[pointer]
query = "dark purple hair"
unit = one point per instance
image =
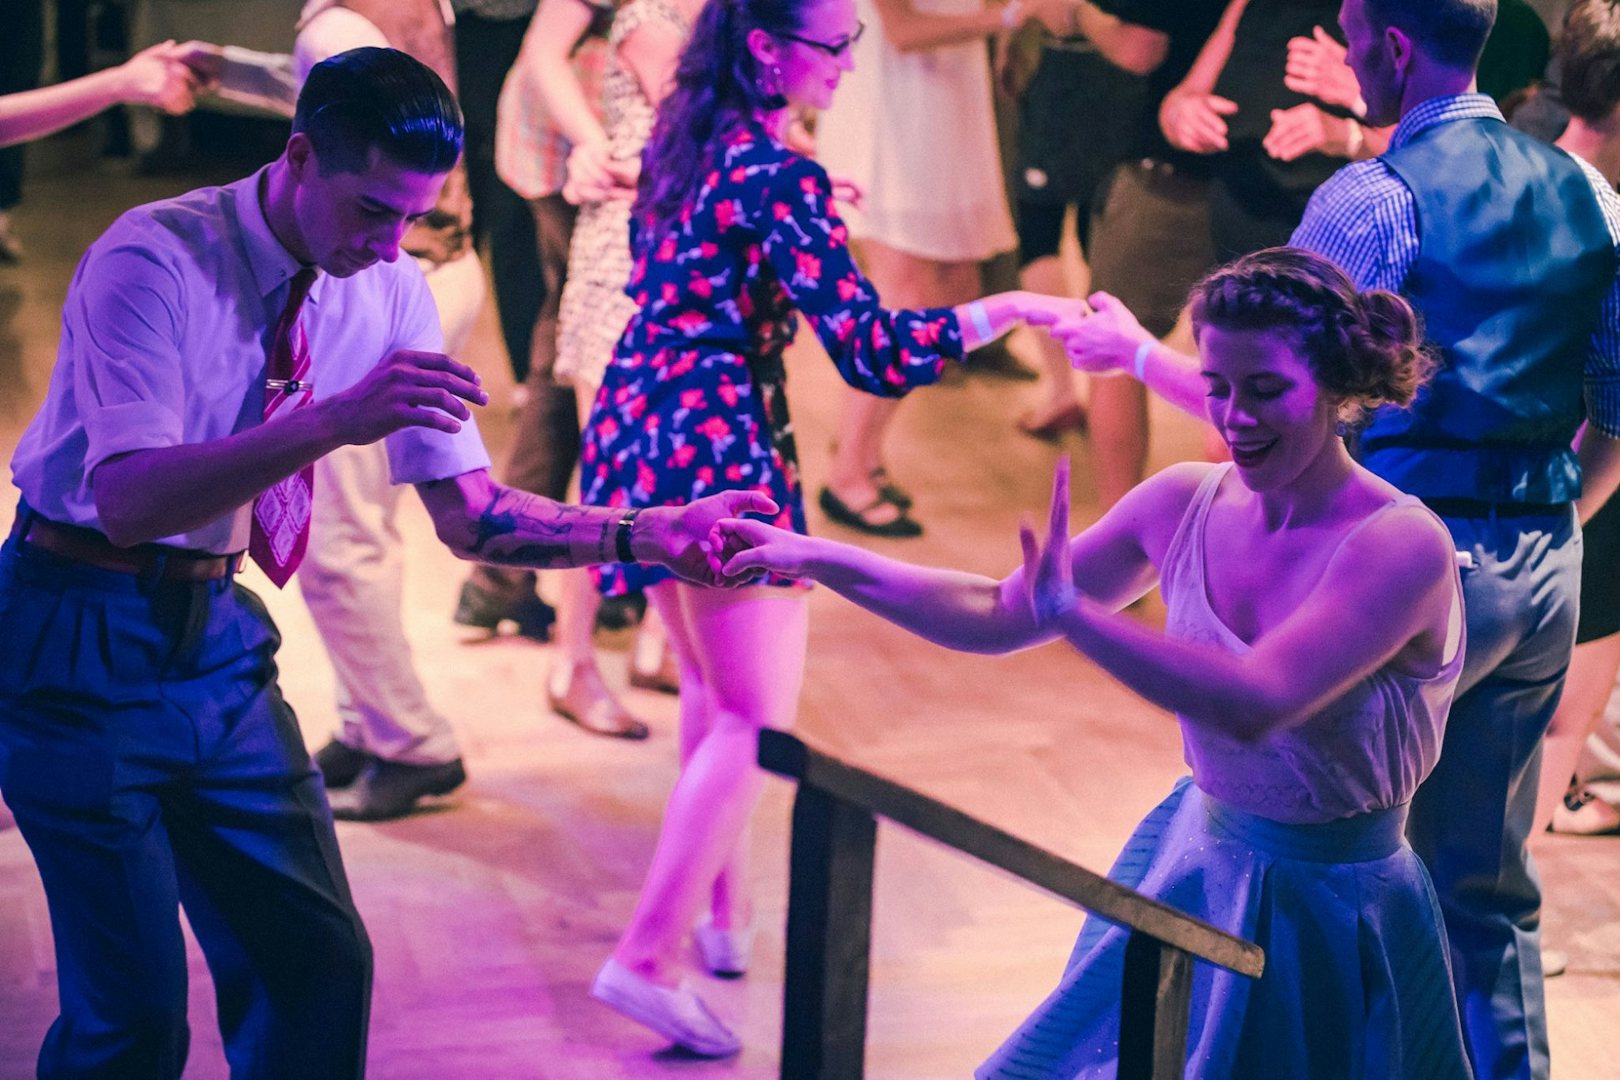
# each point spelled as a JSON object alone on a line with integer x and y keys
{"x": 717, "y": 87}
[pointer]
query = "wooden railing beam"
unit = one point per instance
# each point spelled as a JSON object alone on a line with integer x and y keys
{"x": 829, "y": 939}
{"x": 784, "y": 754}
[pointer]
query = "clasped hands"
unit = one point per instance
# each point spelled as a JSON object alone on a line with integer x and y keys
{"x": 169, "y": 75}
{"x": 1099, "y": 333}
{"x": 741, "y": 551}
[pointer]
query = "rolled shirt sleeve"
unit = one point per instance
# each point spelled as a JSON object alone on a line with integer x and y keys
{"x": 128, "y": 379}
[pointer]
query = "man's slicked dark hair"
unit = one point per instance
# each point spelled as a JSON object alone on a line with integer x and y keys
{"x": 1451, "y": 31}
{"x": 381, "y": 99}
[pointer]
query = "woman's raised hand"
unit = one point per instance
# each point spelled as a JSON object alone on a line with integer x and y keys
{"x": 749, "y": 549}
{"x": 1048, "y": 573}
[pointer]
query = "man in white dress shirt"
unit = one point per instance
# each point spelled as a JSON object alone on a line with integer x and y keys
{"x": 213, "y": 347}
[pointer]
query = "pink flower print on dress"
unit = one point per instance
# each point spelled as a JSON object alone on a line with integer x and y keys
{"x": 809, "y": 268}
{"x": 690, "y": 323}
{"x": 715, "y": 428}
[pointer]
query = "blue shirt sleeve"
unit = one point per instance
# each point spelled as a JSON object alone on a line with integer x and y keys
{"x": 1365, "y": 220}
{"x": 1603, "y": 357}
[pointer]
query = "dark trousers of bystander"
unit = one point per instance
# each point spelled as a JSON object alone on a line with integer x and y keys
{"x": 545, "y": 448}
{"x": 22, "y": 54}
{"x": 152, "y": 764}
{"x": 502, "y": 226}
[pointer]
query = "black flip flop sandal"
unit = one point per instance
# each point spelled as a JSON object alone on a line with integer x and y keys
{"x": 837, "y": 510}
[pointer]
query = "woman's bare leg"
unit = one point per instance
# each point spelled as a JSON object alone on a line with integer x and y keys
{"x": 742, "y": 665}
{"x": 1592, "y": 670}
{"x": 1060, "y": 400}
{"x": 902, "y": 281}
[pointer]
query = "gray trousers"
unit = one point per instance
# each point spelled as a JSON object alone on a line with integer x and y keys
{"x": 1471, "y": 818}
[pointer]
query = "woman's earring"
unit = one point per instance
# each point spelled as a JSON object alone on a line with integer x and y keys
{"x": 774, "y": 98}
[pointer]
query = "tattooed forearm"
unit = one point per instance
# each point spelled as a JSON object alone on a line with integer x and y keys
{"x": 516, "y": 529}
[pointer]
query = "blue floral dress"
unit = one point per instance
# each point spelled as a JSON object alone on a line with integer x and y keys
{"x": 693, "y": 402}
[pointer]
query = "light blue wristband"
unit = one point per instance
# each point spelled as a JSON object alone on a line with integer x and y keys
{"x": 1139, "y": 361}
{"x": 980, "y": 320}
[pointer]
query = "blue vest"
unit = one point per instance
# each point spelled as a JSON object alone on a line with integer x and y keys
{"x": 1513, "y": 263}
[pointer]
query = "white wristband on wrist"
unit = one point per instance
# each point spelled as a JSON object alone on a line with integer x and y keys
{"x": 1012, "y": 14}
{"x": 979, "y": 317}
{"x": 1139, "y": 361}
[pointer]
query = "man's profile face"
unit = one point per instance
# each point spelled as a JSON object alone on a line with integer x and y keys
{"x": 1369, "y": 57}
{"x": 350, "y": 220}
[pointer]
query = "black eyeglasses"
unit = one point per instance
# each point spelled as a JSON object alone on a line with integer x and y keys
{"x": 832, "y": 49}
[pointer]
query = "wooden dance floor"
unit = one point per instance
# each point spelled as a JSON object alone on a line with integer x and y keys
{"x": 491, "y": 912}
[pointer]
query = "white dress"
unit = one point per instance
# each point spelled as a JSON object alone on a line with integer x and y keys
{"x": 594, "y": 309}
{"x": 917, "y": 132}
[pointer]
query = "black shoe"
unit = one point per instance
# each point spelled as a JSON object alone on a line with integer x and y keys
{"x": 390, "y": 789}
{"x": 480, "y": 608}
{"x": 340, "y": 764}
{"x": 621, "y": 612}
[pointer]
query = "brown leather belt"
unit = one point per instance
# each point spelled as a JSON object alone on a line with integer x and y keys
{"x": 92, "y": 548}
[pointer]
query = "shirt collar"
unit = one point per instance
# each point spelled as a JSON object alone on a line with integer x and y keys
{"x": 1443, "y": 110}
{"x": 272, "y": 264}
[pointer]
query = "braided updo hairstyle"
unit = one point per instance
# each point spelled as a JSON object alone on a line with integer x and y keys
{"x": 1365, "y": 348}
{"x": 718, "y": 84}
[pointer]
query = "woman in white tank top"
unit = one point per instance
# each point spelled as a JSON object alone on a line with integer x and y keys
{"x": 1313, "y": 644}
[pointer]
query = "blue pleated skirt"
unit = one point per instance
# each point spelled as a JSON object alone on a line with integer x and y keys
{"x": 1357, "y": 983}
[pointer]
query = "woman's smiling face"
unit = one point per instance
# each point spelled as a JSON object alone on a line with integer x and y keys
{"x": 1265, "y": 401}
{"x": 815, "y": 58}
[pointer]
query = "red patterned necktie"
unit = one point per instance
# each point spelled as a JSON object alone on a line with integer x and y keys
{"x": 281, "y": 514}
